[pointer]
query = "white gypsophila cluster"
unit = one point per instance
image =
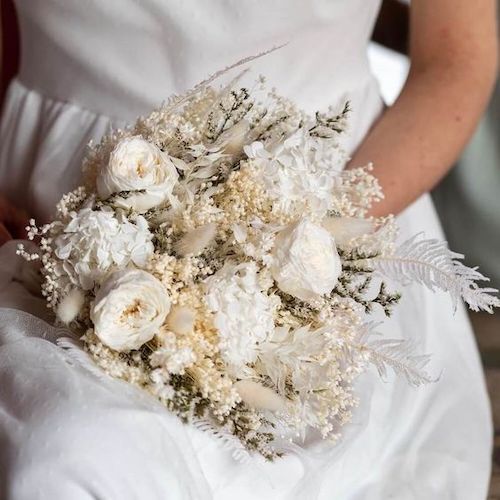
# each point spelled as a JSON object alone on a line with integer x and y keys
{"x": 96, "y": 242}
{"x": 243, "y": 312}
{"x": 173, "y": 358}
{"x": 299, "y": 173}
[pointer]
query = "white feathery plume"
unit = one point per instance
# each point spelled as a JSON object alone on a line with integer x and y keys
{"x": 180, "y": 320}
{"x": 179, "y": 100}
{"x": 70, "y": 306}
{"x": 228, "y": 440}
{"x": 193, "y": 242}
{"x": 433, "y": 264}
{"x": 259, "y": 397}
{"x": 401, "y": 355}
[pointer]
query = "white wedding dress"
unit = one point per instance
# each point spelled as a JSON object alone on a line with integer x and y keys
{"x": 69, "y": 434}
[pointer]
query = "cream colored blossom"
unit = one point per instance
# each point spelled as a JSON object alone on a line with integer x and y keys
{"x": 129, "y": 309}
{"x": 97, "y": 242}
{"x": 137, "y": 167}
{"x": 305, "y": 261}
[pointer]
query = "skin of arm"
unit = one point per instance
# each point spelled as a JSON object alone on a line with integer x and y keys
{"x": 454, "y": 61}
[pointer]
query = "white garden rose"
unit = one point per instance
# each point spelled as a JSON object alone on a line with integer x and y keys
{"x": 129, "y": 309}
{"x": 243, "y": 312}
{"x": 305, "y": 262}
{"x": 141, "y": 169}
{"x": 97, "y": 242}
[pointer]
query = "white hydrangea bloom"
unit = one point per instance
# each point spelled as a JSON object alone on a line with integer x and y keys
{"x": 243, "y": 312}
{"x": 300, "y": 172}
{"x": 96, "y": 242}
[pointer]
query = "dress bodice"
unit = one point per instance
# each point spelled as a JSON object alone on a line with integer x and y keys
{"x": 121, "y": 58}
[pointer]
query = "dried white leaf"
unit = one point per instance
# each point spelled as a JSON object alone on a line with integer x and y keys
{"x": 433, "y": 264}
{"x": 344, "y": 229}
{"x": 193, "y": 242}
{"x": 259, "y": 397}
{"x": 235, "y": 138}
{"x": 180, "y": 320}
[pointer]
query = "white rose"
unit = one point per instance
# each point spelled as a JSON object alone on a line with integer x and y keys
{"x": 141, "y": 169}
{"x": 305, "y": 261}
{"x": 129, "y": 309}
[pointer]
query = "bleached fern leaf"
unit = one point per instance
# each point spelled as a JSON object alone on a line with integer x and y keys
{"x": 401, "y": 356}
{"x": 433, "y": 264}
{"x": 228, "y": 440}
{"x": 75, "y": 355}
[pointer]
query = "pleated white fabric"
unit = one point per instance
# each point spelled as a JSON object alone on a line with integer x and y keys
{"x": 68, "y": 433}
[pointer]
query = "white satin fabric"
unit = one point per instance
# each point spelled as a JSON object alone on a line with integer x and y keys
{"x": 68, "y": 433}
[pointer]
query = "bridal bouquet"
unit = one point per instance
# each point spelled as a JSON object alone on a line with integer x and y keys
{"x": 220, "y": 258}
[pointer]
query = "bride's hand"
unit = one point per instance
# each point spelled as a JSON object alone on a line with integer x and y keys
{"x": 13, "y": 221}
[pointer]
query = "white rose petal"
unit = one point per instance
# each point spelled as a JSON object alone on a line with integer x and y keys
{"x": 129, "y": 309}
{"x": 140, "y": 168}
{"x": 305, "y": 261}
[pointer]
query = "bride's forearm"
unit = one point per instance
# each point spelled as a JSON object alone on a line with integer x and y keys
{"x": 419, "y": 138}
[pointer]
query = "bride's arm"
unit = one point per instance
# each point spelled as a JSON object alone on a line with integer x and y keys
{"x": 454, "y": 54}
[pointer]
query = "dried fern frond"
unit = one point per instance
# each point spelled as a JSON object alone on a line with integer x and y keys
{"x": 433, "y": 264}
{"x": 401, "y": 356}
{"x": 229, "y": 441}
